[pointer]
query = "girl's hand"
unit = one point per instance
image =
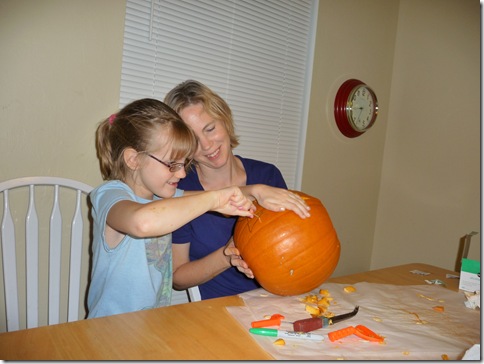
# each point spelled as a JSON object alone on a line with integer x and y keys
{"x": 235, "y": 260}
{"x": 231, "y": 201}
{"x": 280, "y": 199}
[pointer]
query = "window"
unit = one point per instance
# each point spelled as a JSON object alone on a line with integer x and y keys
{"x": 257, "y": 54}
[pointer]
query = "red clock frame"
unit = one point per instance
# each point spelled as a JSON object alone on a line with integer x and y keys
{"x": 340, "y": 109}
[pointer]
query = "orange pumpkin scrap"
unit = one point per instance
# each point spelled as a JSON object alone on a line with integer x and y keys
{"x": 322, "y": 302}
{"x": 289, "y": 255}
{"x": 280, "y": 342}
{"x": 349, "y": 289}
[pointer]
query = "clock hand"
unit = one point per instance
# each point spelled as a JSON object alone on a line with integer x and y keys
{"x": 361, "y": 109}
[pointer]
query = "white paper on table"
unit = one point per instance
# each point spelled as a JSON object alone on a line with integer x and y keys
{"x": 403, "y": 315}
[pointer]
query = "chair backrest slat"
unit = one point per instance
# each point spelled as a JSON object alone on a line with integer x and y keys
{"x": 9, "y": 266}
{"x": 194, "y": 294}
{"x": 32, "y": 260}
{"x": 75, "y": 263}
{"x": 55, "y": 259}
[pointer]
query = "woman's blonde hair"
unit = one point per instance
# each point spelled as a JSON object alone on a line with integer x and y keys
{"x": 192, "y": 92}
{"x": 134, "y": 126}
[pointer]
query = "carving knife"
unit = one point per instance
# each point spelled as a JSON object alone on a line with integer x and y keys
{"x": 314, "y": 323}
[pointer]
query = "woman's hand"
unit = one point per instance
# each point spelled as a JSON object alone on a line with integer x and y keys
{"x": 279, "y": 199}
{"x": 235, "y": 260}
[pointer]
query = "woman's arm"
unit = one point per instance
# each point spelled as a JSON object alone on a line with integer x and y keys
{"x": 188, "y": 273}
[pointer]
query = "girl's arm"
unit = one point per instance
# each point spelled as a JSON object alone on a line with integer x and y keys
{"x": 164, "y": 216}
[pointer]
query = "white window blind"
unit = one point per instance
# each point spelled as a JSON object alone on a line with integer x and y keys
{"x": 257, "y": 54}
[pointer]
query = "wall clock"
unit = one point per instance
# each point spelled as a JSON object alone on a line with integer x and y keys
{"x": 355, "y": 108}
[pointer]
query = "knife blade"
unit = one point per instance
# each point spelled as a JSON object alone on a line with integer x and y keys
{"x": 314, "y": 323}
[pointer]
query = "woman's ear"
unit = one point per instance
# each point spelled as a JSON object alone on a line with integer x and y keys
{"x": 131, "y": 158}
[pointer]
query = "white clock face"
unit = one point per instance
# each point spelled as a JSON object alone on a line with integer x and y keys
{"x": 361, "y": 108}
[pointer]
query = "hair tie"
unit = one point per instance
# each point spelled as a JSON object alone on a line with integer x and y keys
{"x": 111, "y": 119}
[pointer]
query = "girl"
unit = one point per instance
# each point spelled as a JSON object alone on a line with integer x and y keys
{"x": 143, "y": 152}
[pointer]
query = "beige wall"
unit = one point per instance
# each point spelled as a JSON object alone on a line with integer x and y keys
{"x": 355, "y": 39}
{"x": 430, "y": 187}
{"x": 403, "y": 192}
{"x": 60, "y": 70}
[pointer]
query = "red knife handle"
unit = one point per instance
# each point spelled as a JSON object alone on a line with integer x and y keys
{"x": 308, "y": 324}
{"x": 339, "y": 334}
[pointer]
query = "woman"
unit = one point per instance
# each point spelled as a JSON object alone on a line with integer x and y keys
{"x": 203, "y": 250}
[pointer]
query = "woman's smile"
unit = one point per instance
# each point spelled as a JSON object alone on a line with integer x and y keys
{"x": 213, "y": 155}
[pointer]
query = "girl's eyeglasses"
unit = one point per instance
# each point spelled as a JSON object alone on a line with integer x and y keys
{"x": 173, "y": 167}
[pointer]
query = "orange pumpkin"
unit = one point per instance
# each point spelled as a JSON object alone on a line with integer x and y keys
{"x": 289, "y": 255}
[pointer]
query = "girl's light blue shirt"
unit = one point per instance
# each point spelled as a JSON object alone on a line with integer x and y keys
{"x": 137, "y": 274}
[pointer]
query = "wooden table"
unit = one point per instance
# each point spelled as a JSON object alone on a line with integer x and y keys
{"x": 194, "y": 331}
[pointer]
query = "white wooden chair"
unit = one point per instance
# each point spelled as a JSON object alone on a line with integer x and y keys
{"x": 28, "y": 249}
{"x": 23, "y": 256}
